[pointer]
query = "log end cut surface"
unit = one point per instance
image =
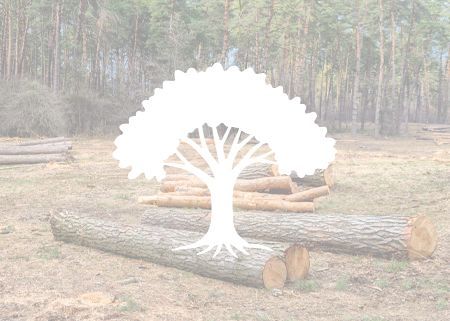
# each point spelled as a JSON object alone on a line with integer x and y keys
{"x": 423, "y": 238}
{"x": 274, "y": 273}
{"x": 297, "y": 262}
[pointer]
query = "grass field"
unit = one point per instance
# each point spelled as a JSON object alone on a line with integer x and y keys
{"x": 45, "y": 280}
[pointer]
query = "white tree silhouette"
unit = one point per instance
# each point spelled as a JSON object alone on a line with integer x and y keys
{"x": 237, "y": 99}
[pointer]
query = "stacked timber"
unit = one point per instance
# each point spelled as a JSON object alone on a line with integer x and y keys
{"x": 261, "y": 268}
{"x": 274, "y": 193}
{"x": 36, "y": 151}
{"x": 439, "y": 134}
{"x": 259, "y": 186}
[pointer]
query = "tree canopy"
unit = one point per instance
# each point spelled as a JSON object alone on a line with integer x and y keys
{"x": 330, "y": 53}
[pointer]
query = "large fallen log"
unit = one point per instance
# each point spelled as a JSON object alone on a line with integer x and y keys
{"x": 57, "y": 148}
{"x": 260, "y": 268}
{"x": 44, "y": 141}
{"x": 204, "y": 202}
{"x": 283, "y": 183}
{"x": 32, "y": 159}
{"x": 383, "y": 236}
{"x": 309, "y": 194}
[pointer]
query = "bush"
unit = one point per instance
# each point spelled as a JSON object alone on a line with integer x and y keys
{"x": 30, "y": 109}
{"x": 91, "y": 114}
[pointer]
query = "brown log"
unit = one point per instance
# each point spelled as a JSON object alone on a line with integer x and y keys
{"x": 204, "y": 202}
{"x": 260, "y": 268}
{"x": 309, "y": 194}
{"x": 382, "y": 236}
{"x": 32, "y": 159}
{"x": 34, "y": 149}
{"x": 297, "y": 262}
{"x": 303, "y": 196}
{"x": 320, "y": 178}
{"x": 283, "y": 183}
{"x": 44, "y": 141}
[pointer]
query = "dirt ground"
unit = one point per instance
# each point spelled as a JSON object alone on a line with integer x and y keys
{"x": 45, "y": 280}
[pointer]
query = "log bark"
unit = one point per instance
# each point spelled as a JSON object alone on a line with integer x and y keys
{"x": 320, "y": 178}
{"x": 32, "y": 159}
{"x": 309, "y": 194}
{"x": 34, "y": 149}
{"x": 382, "y": 236}
{"x": 250, "y": 172}
{"x": 282, "y": 183}
{"x": 155, "y": 244}
{"x": 44, "y": 141}
{"x": 204, "y": 202}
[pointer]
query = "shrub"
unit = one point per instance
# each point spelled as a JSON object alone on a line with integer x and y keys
{"x": 90, "y": 114}
{"x": 30, "y": 109}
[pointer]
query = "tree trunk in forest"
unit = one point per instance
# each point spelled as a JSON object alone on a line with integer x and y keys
{"x": 226, "y": 32}
{"x": 9, "y": 41}
{"x": 380, "y": 70}
{"x": 156, "y": 244}
{"x": 381, "y": 236}
{"x": 356, "y": 94}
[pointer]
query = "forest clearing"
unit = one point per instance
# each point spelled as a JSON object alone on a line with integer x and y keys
{"x": 44, "y": 279}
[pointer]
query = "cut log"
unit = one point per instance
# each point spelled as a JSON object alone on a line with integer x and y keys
{"x": 34, "y": 149}
{"x": 320, "y": 178}
{"x": 383, "y": 236}
{"x": 297, "y": 262}
{"x": 283, "y": 183}
{"x": 303, "y": 196}
{"x": 309, "y": 194}
{"x": 32, "y": 159}
{"x": 44, "y": 141}
{"x": 155, "y": 244}
{"x": 204, "y": 202}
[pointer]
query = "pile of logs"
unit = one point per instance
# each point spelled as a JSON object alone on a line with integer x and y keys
{"x": 439, "y": 134}
{"x": 36, "y": 151}
{"x": 287, "y": 234}
{"x": 259, "y": 187}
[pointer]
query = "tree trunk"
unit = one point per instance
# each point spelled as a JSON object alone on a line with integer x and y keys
{"x": 382, "y": 236}
{"x": 157, "y": 244}
{"x": 380, "y": 70}
{"x": 356, "y": 95}
{"x": 226, "y": 31}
